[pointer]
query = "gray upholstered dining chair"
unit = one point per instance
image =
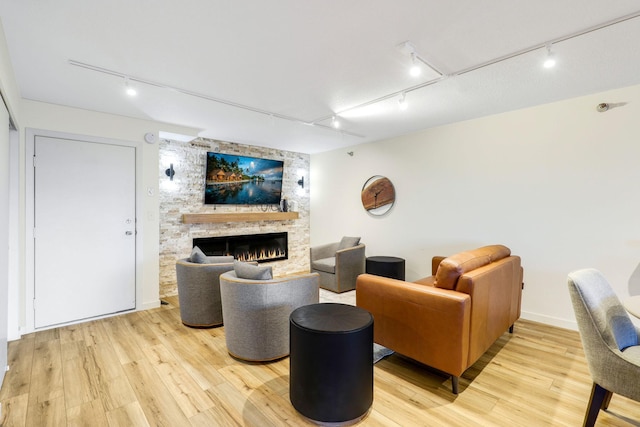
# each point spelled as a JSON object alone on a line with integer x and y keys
{"x": 611, "y": 342}
{"x": 199, "y": 290}
{"x": 339, "y": 264}
{"x": 256, "y": 313}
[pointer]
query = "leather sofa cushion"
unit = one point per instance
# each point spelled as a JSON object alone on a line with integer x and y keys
{"x": 495, "y": 252}
{"x": 451, "y": 268}
{"x": 328, "y": 265}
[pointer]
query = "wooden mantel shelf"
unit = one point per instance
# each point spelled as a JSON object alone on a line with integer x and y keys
{"x": 200, "y": 218}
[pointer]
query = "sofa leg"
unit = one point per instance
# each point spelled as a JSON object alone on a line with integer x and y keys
{"x": 454, "y": 384}
{"x": 511, "y": 329}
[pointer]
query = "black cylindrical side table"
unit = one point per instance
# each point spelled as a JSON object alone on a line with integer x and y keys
{"x": 331, "y": 362}
{"x": 387, "y": 266}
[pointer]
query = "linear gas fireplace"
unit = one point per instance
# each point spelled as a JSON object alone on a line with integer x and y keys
{"x": 251, "y": 247}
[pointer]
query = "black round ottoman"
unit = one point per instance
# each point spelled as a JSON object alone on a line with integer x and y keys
{"x": 331, "y": 362}
{"x": 387, "y": 266}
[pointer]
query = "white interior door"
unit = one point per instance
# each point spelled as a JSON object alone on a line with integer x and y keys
{"x": 84, "y": 246}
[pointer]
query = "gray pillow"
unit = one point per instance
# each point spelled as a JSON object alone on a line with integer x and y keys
{"x": 252, "y": 272}
{"x": 197, "y": 256}
{"x": 348, "y": 242}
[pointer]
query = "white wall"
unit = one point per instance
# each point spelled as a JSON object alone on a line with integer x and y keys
{"x": 8, "y": 87}
{"x": 11, "y": 97}
{"x": 557, "y": 183}
{"x": 4, "y": 236}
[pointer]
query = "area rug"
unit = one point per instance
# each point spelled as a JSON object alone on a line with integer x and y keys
{"x": 380, "y": 352}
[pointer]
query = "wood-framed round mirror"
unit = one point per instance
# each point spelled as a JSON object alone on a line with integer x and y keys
{"x": 378, "y": 195}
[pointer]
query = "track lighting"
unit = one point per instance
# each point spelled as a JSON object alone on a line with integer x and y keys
{"x": 402, "y": 102}
{"x": 550, "y": 61}
{"x": 417, "y": 61}
{"x": 415, "y": 69}
{"x": 335, "y": 122}
{"x": 130, "y": 90}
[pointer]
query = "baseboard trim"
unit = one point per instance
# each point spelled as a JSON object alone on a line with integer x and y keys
{"x": 150, "y": 304}
{"x": 550, "y": 320}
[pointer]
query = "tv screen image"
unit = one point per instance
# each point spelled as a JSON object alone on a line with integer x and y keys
{"x": 242, "y": 180}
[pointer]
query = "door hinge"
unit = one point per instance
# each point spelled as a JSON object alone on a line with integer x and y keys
{"x": 34, "y": 161}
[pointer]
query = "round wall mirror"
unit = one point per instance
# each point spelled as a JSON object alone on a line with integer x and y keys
{"x": 378, "y": 195}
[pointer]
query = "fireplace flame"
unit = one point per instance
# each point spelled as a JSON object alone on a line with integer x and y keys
{"x": 261, "y": 255}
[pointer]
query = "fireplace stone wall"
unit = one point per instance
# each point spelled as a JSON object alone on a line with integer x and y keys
{"x": 185, "y": 194}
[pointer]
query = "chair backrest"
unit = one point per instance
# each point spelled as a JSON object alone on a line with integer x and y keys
{"x": 605, "y": 330}
{"x": 256, "y": 312}
{"x": 600, "y": 315}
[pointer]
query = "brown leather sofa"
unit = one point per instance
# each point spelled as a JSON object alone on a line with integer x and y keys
{"x": 447, "y": 320}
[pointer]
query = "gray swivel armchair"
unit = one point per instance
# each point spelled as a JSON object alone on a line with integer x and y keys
{"x": 610, "y": 340}
{"x": 338, "y": 264}
{"x": 256, "y": 313}
{"x": 199, "y": 291}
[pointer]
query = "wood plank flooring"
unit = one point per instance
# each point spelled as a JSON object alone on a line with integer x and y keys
{"x": 147, "y": 369}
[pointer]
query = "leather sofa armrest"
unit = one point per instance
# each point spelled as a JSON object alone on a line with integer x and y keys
{"x": 430, "y": 325}
{"x": 435, "y": 263}
{"x": 323, "y": 251}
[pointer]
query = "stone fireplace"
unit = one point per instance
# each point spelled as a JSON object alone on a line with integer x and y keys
{"x": 264, "y": 247}
{"x": 184, "y": 195}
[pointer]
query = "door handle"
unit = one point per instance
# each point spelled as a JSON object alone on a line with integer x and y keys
{"x": 128, "y": 233}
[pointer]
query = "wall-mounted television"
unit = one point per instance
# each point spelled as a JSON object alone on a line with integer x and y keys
{"x": 242, "y": 180}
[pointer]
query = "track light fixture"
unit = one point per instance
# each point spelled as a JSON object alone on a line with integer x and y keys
{"x": 335, "y": 122}
{"x": 415, "y": 69}
{"x": 550, "y": 60}
{"x": 130, "y": 90}
{"x": 417, "y": 62}
{"x": 402, "y": 102}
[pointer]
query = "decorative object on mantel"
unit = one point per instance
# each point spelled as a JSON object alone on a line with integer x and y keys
{"x": 378, "y": 195}
{"x": 201, "y": 218}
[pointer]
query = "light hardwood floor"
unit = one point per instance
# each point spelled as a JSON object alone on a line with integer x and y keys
{"x": 147, "y": 369}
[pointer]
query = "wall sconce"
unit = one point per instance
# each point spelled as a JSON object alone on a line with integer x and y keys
{"x": 170, "y": 172}
{"x": 301, "y": 181}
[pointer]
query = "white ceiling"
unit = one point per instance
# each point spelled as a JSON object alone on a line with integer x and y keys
{"x": 310, "y": 59}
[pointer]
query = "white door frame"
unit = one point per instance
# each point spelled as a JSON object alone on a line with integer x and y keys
{"x": 30, "y": 215}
